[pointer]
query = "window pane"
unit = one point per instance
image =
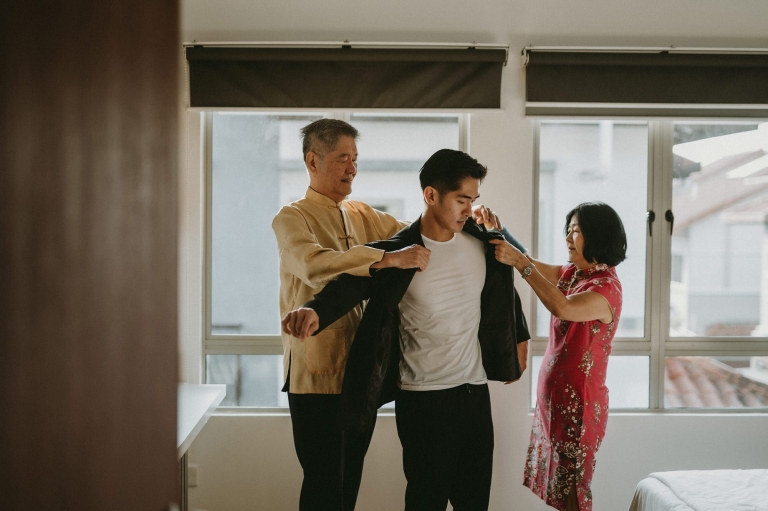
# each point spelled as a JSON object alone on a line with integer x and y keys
{"x": 720, "y": 242}
{"x": 392, "y": 150}
{"x": 252, "y": 153}
{"x": 252, "y": 380}
{"x": 627, "y": 381}
{"x": 257, "y": 167}
{"x": 716, "y": 382}
{"x": 596, "y": 161}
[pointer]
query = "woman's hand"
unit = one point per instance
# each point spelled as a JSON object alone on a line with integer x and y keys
{"x": 507, "y": 254}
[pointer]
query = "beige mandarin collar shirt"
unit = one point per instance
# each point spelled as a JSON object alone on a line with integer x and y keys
{"x": 319, "y": 239}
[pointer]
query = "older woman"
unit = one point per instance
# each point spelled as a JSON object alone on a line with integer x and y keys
{"x": 584, "y": 297}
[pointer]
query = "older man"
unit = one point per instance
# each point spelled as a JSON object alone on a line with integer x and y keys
{"x": 320, "y": 237}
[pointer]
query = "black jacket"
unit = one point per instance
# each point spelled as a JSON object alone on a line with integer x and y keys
{"x": 373, "y": 366}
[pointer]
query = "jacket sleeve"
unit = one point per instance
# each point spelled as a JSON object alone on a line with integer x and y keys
{"x": 513, "y": 241}
{"x": 315, "y": 265}
{"x": 521, "y": 326}
{"x": 339, "y": 297}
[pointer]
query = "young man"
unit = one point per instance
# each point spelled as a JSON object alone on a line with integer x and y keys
{"x": 320, "y": 237}
{"x": 432, "y": 338}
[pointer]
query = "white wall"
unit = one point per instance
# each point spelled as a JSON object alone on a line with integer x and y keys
{"x": 248, "y": 462}
{"x": 191, "y": 235}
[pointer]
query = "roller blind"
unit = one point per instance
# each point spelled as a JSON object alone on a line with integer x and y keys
{"x": 344, "y": 77}
{"x": 660, "y": 83}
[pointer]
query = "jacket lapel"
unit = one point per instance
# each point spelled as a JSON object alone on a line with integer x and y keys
{"x": 480, "y": 232}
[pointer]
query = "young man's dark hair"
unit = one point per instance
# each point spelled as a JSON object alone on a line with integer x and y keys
{"x": 447, "y": 168}
{"x": 321, "y": 136}
{"x": 605, "y": 241}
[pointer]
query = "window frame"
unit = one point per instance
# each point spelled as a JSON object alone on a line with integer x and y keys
{"x": 656, "y": 342}
{"x": 262, "y": 344}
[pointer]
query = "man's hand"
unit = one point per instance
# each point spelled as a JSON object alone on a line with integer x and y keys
{"x": 301, "y": 322}
{"x": 522, "y": 354}
{"x": 484, "y": 215}
{"x": 414, "y": 256}
{"x": 522, "y": 357}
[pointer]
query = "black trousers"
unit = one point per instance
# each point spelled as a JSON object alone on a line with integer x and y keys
{"x": 447, "y": 438}
{"x": 332, "y": 460}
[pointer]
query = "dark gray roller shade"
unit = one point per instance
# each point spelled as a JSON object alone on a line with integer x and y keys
{"x": 639, "y": 79}
{"x": 344, "y": 77}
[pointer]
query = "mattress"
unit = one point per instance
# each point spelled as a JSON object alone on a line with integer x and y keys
{"x": 703, "y": 490}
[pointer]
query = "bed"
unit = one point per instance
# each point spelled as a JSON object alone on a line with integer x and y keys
{"x": 703, "y": 490}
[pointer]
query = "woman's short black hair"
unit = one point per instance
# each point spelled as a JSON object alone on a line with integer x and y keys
{"x": 605, "y": 241}
{"x": 447, "y": 168}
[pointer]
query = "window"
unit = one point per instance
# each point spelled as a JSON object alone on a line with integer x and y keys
{"x": 720, "y": 201}
{"x": 596, "y": 161}
{"x": 694, "y": 201}
{"x": 254, "y": 166}
{"x": 627, "y": 380}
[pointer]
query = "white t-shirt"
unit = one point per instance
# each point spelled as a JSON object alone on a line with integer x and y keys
{"x": 440, "y": 317}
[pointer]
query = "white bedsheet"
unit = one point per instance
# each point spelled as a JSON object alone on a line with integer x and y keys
{"x": 703, "y": 490}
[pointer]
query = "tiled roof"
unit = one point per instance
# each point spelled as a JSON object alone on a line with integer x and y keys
{"x": 703, "y": 382}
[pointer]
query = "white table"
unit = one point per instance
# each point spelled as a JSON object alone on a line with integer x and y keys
{"x": 196, "y": 404}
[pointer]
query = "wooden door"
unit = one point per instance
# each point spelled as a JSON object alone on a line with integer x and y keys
{"x": 88, "y": 255}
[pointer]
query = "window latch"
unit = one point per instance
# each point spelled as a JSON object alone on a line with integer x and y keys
{"x": 670, "y": 217}
{"x": 651, "y": 216}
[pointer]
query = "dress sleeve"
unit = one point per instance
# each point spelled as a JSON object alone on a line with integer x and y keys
{"x": 315, "y": 265}
{"x": 609, "y": 288}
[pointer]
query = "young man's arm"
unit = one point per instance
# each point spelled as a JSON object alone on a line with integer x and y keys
{"x": 334, "y": 301}
{"x": 341, "y": 295}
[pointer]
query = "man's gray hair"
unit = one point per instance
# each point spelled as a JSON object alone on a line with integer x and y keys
{"x": 322, "y": 135}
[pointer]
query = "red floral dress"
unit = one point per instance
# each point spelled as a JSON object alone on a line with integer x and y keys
{"x": 572, "y": 399}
